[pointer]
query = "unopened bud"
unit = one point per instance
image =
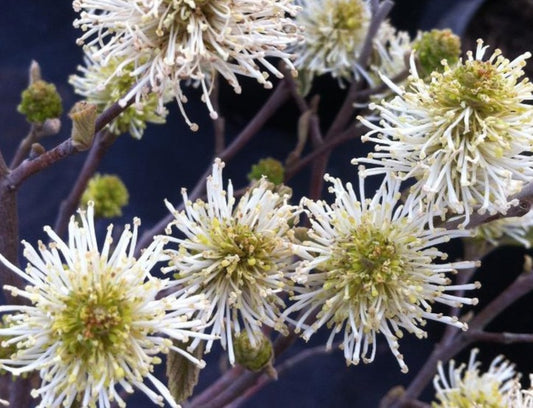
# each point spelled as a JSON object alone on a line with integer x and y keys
{"x": 434, "y": 46}
{"x": 271, "y": 168}
{"x": 40, "y": 101}
{"x": 83, "y": 117}
{"x": 50, "y": 127}
{"x": 36, "y": 150}
{"x": 35, "y": 72}
{"x": 108, "y": 193}
{"x": 256, "y": 357}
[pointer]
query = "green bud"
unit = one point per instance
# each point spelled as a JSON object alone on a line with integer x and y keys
{"x": 433, "y": 46}
{"x": 269, "y": 167}
{"x": 83, "y": 117}
{"x": 108, "y": 193}
{"x": 40, "y": 101}
{"x": 253, "y": 358}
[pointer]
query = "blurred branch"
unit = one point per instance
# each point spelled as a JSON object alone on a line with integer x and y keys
{"x": 504, "y": 338}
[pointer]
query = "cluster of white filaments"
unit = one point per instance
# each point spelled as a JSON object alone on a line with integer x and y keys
{"x": 237, "y": 254}
{"x": 466, "y": 386}
{"x": 463, "y": 134}
{"x": 170, "y": 41}
{"x": 506, "y": 230}
{"x": 368, "y": 269}
{"x": 390, "y": 50}
{"x": 104, "y": 84}
{"x": 335, "y": 32}
{"x": 97, "y": 319}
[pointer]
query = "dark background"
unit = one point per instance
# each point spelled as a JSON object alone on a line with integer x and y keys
{"x": 170, "y": 157}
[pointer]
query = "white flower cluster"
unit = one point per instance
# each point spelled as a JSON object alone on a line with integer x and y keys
{"x": 97, "y": 318}
{"x": 467, "y": 386}
{"x": 335, "y": 35}
{"x": 97, "y": 321}
{"x": 464, "y": 135}
{"x": 238, "y": 254}
{"x": 366, "y": 267}
{"x": 171, "y": 42}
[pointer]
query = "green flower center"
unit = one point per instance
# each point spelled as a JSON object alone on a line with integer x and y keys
{"x": 245, "y": 253}
{"x": 178, "y": 14}
{"x": 94, "y": 322}
{"x": 340, "y": 24}
{"x": 348, "y": 15}
{"x": 476, "y": 84}
{"x": 367, "y": 264}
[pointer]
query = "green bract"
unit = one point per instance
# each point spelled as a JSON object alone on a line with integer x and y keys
{"x": 40, "y": 101}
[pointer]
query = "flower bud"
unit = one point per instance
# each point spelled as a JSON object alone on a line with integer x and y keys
{"x": 108, "y": 193}
{"x": 40, "y": 101}
{"x": 254, "y": 358}
{"x": 36, "y": 150}
{"x": 83, "y": 117}
{"x": 35, "y": 72}
{"x": 269, "y": 167}
{"x": 434, "y": 46}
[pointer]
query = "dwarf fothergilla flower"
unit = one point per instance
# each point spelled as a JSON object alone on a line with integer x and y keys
{"x": 464, "y": 135}
{"x": 170, "y": 42}
{"x": 97, "y": 320}
{"x": 368, "y": 269}
{"x": 238, "y": 253}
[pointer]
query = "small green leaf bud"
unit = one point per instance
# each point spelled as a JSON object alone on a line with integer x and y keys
{"x": 269, "y": 167}
{"x": 36, "y": 150}
{"x": 254, "y": 358}
{"x": 108, "y": 193}
{"x": 433, "y": 46}
{"x": 83, "y": 117}
{"x": 40, "y": 101}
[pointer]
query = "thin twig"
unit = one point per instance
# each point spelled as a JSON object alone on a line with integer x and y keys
{"x": 37, "y": 132}
{"x": 65, "y": 149}
{"x": 284, "y": 366}
{"x": 353, "y": 132}
{"x": 103, "y": 141}
{"x": 217, "y": 387}
{"x": 504, "y": 338}
{"x": 444, "y": 351}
